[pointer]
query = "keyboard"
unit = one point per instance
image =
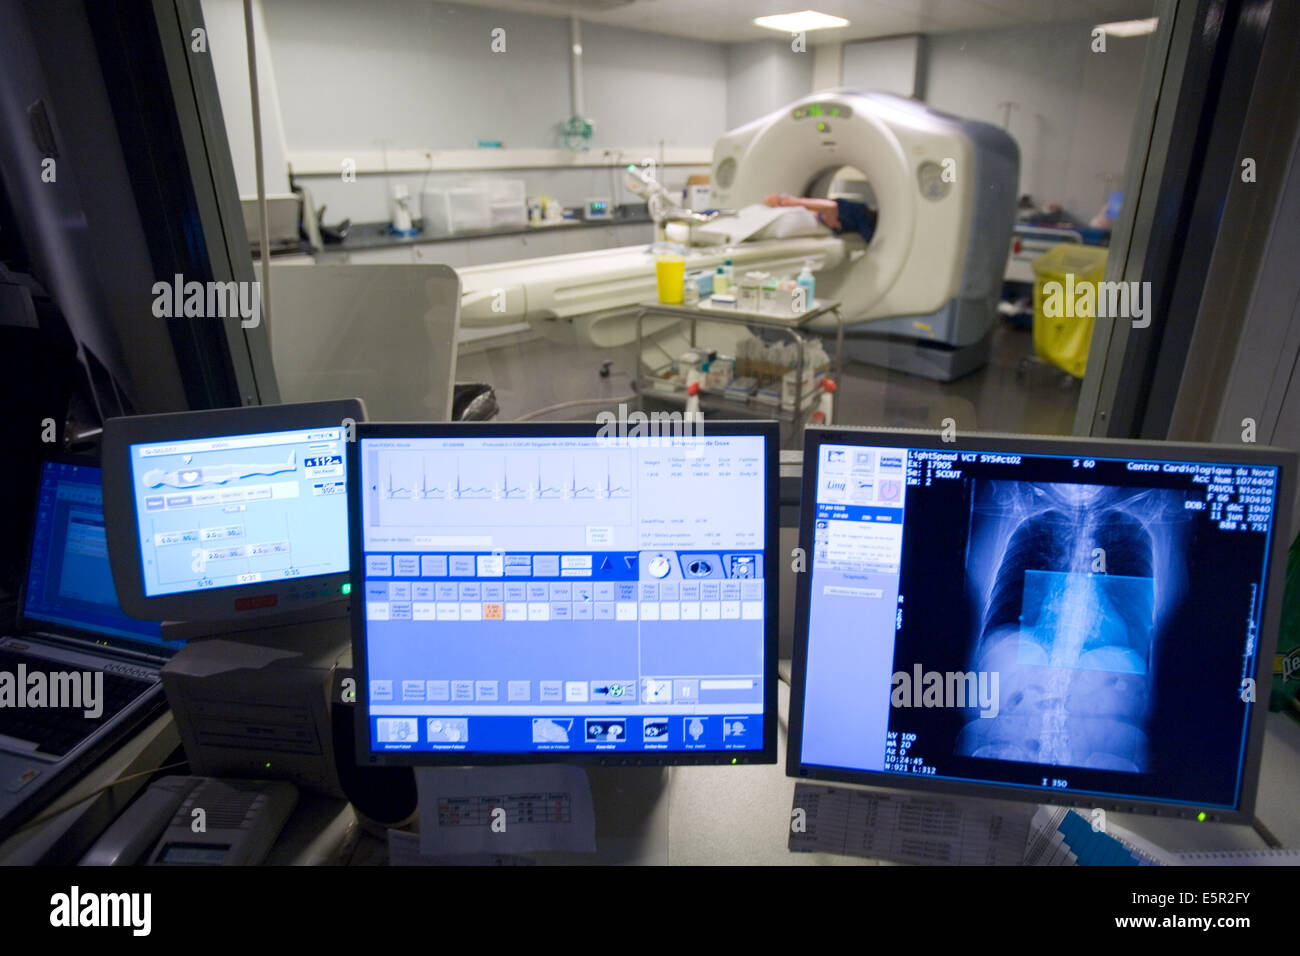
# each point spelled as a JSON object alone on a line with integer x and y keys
{"x": 57, "y": 730}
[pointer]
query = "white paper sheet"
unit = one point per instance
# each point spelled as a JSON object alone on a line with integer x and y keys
{"x": 760, "y": 222}
{"x": 505, "y": 810}
{"x": 907, "y": 829}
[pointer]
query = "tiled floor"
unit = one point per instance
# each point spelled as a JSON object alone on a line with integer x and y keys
{"x": 998, "y": 397}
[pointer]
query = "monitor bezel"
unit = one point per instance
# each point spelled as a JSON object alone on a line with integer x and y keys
{"x": 235, "y": 602}
{"x": 1286, "y": 462}
{"x": 769, "y": 430}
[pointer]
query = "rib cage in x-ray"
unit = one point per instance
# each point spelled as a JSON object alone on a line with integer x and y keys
{"x": 1068, "y": 581}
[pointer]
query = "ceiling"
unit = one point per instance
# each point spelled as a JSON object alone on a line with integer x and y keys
{"x": 731, "y": 21}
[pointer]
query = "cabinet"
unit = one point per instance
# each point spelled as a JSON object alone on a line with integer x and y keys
{"x": 454, "y": 254}
{"x": 389, "y": 255}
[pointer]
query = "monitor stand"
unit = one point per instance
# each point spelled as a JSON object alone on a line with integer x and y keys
{"x": 631, "y": 806}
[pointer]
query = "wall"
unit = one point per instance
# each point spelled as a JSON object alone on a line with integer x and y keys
{"x": 643, "y": 87}
{"x": 411, "y": 74}
{"x": 764, "y": 76}
{"x": 224, "y": 21}
{"x": 414, "y": 74}
{"x": 828, "y": 66}
{"x": 891, "y": 65}
{"x": 1075, "y": 108}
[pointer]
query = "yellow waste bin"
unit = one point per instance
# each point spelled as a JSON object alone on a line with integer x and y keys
{"x": 1065, "y": 304}
{"x": 670, "y": 273}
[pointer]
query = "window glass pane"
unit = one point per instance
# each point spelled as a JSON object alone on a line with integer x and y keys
{"x": 945, "y": 180}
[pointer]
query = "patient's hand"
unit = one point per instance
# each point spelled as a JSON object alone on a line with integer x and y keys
{"x": 779, "y": 199}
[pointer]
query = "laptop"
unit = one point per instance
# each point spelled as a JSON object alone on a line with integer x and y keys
{"x": 78, "y": 675}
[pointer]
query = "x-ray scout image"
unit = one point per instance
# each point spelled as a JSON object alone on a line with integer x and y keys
{"x": 1071, "y": 580}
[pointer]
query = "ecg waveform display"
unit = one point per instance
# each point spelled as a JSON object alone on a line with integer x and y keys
{"x": 568, "y": 487}
{"x": 516, "y": 482}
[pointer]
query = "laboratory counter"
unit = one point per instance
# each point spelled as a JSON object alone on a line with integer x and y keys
{"x": 375, "y": 244}
{"x": 379, "y": 235}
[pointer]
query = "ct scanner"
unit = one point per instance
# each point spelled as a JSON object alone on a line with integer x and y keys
{"x": 920, "y": 297}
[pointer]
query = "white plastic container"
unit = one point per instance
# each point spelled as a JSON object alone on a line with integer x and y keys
{"x": 816, "y": 366}
{"x": 456, "y": 209}
{"x": 503, "y": 190}
{"x": 696, "y": 198}
{"x": 509, "y": 214}
{"x": 507, "y": 201}
{"x": 749, "y": 291}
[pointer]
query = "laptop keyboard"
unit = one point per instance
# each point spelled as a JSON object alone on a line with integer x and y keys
{"x": 57, "y": 730}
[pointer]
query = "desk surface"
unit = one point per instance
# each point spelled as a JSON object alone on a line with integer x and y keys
{"x": 719, "y": 815}
{"x": 713, "y": 815}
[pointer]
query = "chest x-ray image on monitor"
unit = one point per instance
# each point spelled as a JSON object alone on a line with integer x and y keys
{"x": 1074, "y": 621}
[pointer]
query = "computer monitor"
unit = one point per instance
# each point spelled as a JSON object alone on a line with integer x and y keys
{"x": 229, "y": 514}
{"x": 69, "y": 585}
{"x": 544, "y": 592}
{"x": 1065, "y": 620}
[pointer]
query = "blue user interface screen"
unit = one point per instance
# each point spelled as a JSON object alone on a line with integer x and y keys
{"x": 241, "y": 509}
{"x": 1085, "y": 625}
{"x": 69, "y": 582}
{"x": 564, "y": 594}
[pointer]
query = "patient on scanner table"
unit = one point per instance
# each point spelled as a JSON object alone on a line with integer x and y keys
{"x": 840, "y": 215}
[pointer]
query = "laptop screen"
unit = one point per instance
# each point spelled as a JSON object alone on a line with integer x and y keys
{"x": 69, "y": 583}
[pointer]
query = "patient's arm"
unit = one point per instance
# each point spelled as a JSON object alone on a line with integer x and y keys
{"x": 827, "y": 209}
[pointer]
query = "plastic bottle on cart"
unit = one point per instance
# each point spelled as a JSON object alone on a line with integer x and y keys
{"x": 690, "y": 291}
{"x": 721, "y": 283}
{"x": 749, "y": 290}
{"x": 808, "y": 281}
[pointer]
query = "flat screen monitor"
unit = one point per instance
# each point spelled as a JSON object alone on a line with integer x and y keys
{"x": 1071, "y": 621}
{"x": 69, "y": 586}
{"x": 542, "y": 593}
{"x": 231, "y": 513}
